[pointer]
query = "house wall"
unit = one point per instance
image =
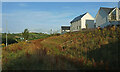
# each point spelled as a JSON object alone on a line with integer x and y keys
{"x": 117, "y": 14}
{"x": 115, "y": 23}
{"x": 102, "y": 19}
{"x": 90, "y": 23}
{"x": 75, "y": 26}
{"x": 80, "y": 24}
{"x": 64, "y": 31}
{"x": 84, "y": 18}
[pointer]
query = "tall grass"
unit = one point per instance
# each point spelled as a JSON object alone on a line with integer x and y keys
{"x": 89, "y": 49}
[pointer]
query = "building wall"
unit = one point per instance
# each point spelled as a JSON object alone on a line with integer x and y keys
{"x": 115, "y": 23}
{"x": 64, "y": 31}
{"x": 81, "y": 24}
{"x": 117, "y": 14}
{"x": 90, "y": 23}
{"x": 119, "y": 9}
{"x": 102, "y": 19}
{"x": 84, "y": 18}
{"x": 75, "y": 26}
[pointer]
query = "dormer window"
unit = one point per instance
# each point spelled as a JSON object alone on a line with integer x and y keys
{"x": 113, "y": 15}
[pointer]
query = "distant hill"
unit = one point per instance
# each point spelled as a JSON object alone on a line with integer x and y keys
{"x": 14, "y": 38}
{"x": 89, "y": 49}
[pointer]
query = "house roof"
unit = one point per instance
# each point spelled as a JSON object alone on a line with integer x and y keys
{"x": 65, "y": 27}
{"x": 107, "y": 10}
{"x": 78, "y": 18}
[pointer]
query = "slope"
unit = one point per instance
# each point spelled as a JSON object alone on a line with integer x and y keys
{"x": 88, "y": 49}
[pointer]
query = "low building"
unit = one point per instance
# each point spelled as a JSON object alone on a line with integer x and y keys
{"x": 82, "y": 22}
{"x": 65, "y": 29}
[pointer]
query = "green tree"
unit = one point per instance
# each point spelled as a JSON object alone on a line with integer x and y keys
{"x": 86, "y": 26}
{"x": 25, "y": 34}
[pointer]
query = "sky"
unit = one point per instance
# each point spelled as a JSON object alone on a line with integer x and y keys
{"x": 44, "y": 16}
{"x": 60, "y": 0}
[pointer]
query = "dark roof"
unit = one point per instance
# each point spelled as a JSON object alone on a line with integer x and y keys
{"x": 65, "y": 27}
{"x": 78, "y": 18}
{"x": 107, "y": 10}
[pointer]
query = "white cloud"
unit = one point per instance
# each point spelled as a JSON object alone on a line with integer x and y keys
{"x": 23, "y": 5}
{"x": 40, "y": 21}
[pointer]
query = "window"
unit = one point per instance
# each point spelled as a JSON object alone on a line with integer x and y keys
{"x": 113, "y": 15}
{"x": 77, "y": 27}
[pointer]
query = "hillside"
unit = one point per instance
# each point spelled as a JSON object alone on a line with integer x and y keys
{"x": 88, "y": 49}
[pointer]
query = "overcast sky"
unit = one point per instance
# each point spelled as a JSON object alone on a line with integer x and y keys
{"x": 43, "y": 16}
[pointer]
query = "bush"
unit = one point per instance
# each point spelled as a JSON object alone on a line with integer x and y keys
{"x": 56, "y": 34}
{"x": 9, "y": 40}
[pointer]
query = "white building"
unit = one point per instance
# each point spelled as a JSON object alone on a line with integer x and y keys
{"x": 82, "y": 22}
{"x": 108, "y": 16}
{"x": 65, "y": 29}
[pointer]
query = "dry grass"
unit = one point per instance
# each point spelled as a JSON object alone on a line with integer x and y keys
{"x": 90, "y": 49}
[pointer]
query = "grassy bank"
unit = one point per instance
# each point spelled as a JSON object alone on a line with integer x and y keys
{"x": 88, "y": 49}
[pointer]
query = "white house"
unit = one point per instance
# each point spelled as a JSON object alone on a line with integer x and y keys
{"x": 108, "y": 16}
{"x": 82, "y": 22}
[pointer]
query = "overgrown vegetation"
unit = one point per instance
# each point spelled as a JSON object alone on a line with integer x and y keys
{"x": 88, "y": 49}
{"x": 15, "y": 38}
{"x": 10, "y": 38}
{"x": 25, "y": 34}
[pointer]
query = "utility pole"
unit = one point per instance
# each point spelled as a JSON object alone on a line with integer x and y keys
{"x": 6, "y": 33}
{"x": 6, "y": 27}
